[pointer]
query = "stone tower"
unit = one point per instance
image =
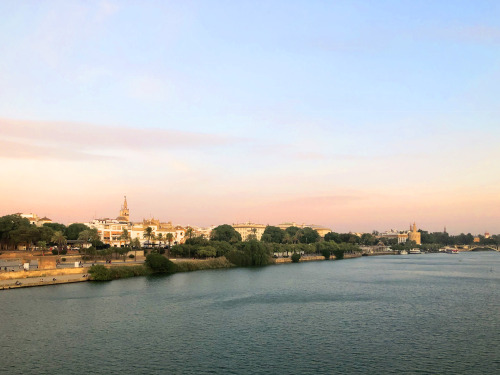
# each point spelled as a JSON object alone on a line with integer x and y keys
{"x": 414, "y": 235}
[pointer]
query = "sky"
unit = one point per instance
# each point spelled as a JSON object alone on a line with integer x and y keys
{"x": 355, "y": 115}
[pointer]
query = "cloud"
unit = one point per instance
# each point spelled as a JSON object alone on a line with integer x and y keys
{"x": 18, "y": 150}
{"x": 90, "y": 140}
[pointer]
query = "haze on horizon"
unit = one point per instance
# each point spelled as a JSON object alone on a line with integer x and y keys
{"x": 357, "y": 115}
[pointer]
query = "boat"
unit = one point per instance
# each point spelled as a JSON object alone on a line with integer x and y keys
{"x": 451, "y": 250}
{"x": 415, "y": 251}
{"x": 403, "y": 252}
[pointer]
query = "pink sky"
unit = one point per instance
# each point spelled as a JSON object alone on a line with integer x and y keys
{"x": 57, "y": 170}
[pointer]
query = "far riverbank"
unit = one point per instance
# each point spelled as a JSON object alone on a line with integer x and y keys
{"x": 32, "y": 278}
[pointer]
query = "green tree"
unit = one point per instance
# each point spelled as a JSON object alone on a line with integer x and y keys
{"x": 273, "y": 234}
{"x": 89, "y": 236}
{"x": 207, "y": 252}
{"x": 189, "y": 232}
{"x": 170, "y": 238}
{"x": 125, "y": 236}
{"x": 159, "y": 264}
{"x": 136, "y": 244}
{"x": 160, "y": 238}
{"x": 332, "y": 236}
{"x": 308, "y": 235}
{"x": 295, "y": 257}
{"x": 42, "y": 245}
{"x": 60, "y": 240}
{"x": 29, "y": 235}
{"x": 368, "y": 239}
{"x": 73, "y": 231}
{"x": 8, "y": 224}
{"x": 226, "y": 233}
{"x": 56, "y": 227}
{"x": 148, "y": 234}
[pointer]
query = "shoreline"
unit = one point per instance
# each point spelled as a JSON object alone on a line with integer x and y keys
{"x": 68, "y": 276}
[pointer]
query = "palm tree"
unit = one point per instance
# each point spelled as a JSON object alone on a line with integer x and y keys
{"x": 189, "y": 232}
{"x": 59, "y": 239}
{"x": 153, "y": 238}
{"x": 169, "y": 237}
{"x": 135, "y": 243}
{"x": 148, "y": 233}
{"x": 159, "y": 237}
{"x": 125, "y": 236}
{"x": 42, "y": 245}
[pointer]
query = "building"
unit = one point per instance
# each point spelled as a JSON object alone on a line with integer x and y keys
{"x": 414, "y": 235}
{"x": 248, "y": 230}
{"x": 111, "y": 230}
{"x": 34, "y": 219}
{"x": 318, "y": 228}
{"x": 400, "y": 236}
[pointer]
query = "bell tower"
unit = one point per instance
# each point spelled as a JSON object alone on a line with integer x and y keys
{"x": 124, "y": 210}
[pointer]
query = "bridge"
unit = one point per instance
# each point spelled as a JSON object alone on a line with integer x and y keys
{"x": 477, "y": 247}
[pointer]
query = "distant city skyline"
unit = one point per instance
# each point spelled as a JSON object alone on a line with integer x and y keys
{"x": 355, "y": 115}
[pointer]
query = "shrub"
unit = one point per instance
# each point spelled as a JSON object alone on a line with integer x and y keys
{"x": 339, "y": 254}
{"x": 63, "y": 260}
{"x": 295, "y": 257}
{"x": 100, "y": 273}
{"x": 325, "y": 253}
{"x": 239, "y": 258}
{"x": 196, "y": 265}
{"x": 131, "y": 256}
{"x": 159, "y": 264}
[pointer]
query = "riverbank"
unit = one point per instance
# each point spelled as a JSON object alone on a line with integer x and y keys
{"x": 23, "y": 279}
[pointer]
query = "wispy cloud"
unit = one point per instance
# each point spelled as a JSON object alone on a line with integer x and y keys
{"x": 88, "y": 140}
{"x": 19, "y": 150}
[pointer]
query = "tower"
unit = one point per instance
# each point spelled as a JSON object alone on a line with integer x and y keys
{"x": 414, "y": 235}
{"x": 124, "y": 212}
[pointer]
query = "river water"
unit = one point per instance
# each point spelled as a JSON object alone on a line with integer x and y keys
{"x": 414, "y": 314}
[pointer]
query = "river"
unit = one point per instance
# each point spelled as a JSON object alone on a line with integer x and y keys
{"x": 414, "y": 314}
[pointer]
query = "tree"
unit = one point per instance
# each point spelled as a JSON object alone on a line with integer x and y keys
{"x": 332, "y": 236}
{"x": 295, "y": 257}
{"x": 148, "y": 234}
{"x": 73, "y": 231}
{"x": 125, "y": 236}
{"x": 42, "y": 245}
{"x": 159, "y": 264}
{"x": 368, "y": 239}
{"x": 159, "y": 237}
{"x": 25, "y": 234}
{"x": 136, "y": 244}
{"x": 60, "y": 240}
{"x": 89, "y": 236}
{"x": 226, "y": 233}
{"x": 169, "y": 238}
{"x": 273, "y": 234}
{"x": 287, "y": 239}
{"x": 189, "y": 232}
{"x": 207, "y": 252}
{"x": 56, "y": 227}
{"x": 308, "y": 235}
{"x": 8, "y": 224}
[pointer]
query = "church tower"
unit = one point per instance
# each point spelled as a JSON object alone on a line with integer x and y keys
{"x": 124, "y": 212}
